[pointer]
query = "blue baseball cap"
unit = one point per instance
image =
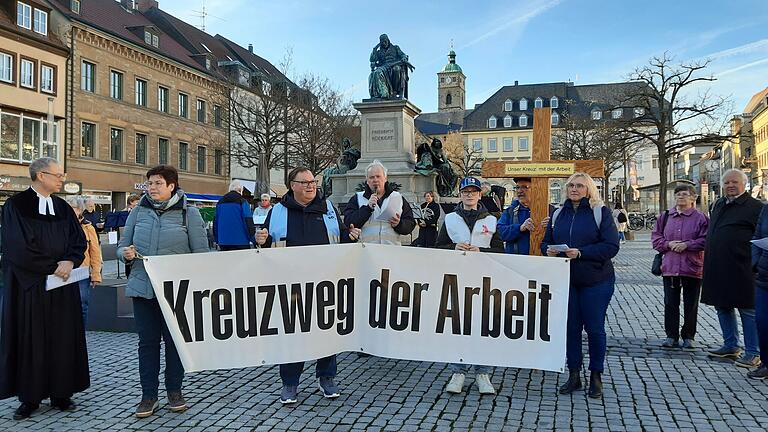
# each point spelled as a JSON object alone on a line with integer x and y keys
{"x": 469, "y": 181}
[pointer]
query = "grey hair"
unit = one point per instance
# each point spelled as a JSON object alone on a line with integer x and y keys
{"x": 375, "y": 164}
{"x": 76, "y": 201}
{"x": 744, "y": 178}
{"x": 39, "y": 165}
{"x": 235, "y": 185}
{"x": 265, "y": 195}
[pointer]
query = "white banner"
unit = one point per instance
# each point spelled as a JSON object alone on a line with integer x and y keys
{"x": 270, "y": 306}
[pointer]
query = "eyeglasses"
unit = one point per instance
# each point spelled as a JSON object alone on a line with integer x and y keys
{"x": 469, "y": 192}
{"x": 307, "y": 184}
{"x": 576, "y": 186}
{"x": 522, "y": 188}
{"x": 154, "y": 183}
{"x": 58, "y": 176}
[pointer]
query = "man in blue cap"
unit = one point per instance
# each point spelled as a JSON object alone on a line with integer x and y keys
{"x": 515, "y": 225}
{"x": 470, "y": 227}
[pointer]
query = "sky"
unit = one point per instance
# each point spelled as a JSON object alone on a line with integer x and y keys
{"x": 499, "y": 42}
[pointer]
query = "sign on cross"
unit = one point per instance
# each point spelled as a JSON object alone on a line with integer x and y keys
{"x": 541, "y": 168}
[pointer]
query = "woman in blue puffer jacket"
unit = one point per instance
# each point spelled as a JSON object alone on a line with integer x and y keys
{"x": 586, "y": 226}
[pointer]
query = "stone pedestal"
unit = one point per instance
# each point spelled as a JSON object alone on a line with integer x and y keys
{"x": 387, "y": 135}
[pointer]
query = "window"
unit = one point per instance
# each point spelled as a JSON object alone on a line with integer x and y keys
{"x": 554, "y": 102}
{"x": 27, "y": 72}
{"x": 616, "y": 114}
{"x": 10, "y": 127}
{"x": 218, "y": 161}
{"x": 597, "y": 114}
{"x": 523, "y": 104}
{"x": 183, "y": 105}
{"x": 523, "y": 120}
{"x": 141, "y": 92}
{"x": 88, "y": 76}
{"x": 266, "y": 88}
{"x": 30, "y": 139}
{"x": 75, "y": 6}
{"x": 492, "y": 145}
{"x": 508, "y": 121}
{"x": 538, "y": 103}
{"x": 201, "y": 114}
{"x": 155, "y": 41}
{"x": 217, "y": 116}
{"x": 555, "y": 143}
{"x": 162, "y": 151}
{"x": 639, "y": 163}
{"x": 183, "y": 150}
{"x": 477, "y": 144}
{"x": 522, "y": 144}
{"x": 655, "y": 161}
{"x": 141, "y": 149}
{"x": 50, "y": 143}
{"x": 162, "y": 99}
{"x": 41, "y": 22}
{"x": 6, "y": 67}
{"x": 508, "y": 144}
{"x": 88, "y": 140}
{"x": 116, "y": 144}
{"x": 639, "y": 112}
{"x": 201, "y": 159}
{"x": 492, "y": 122}
{"x": 47, "y": 79}
{"x": 448, "y": 99}
{"x": 555, "y": 118}
{"x": 147, "y": 37}
{"x": 508, "y": 105}
{"x": 116, "y": 84}
{"x": 24, "y": 15}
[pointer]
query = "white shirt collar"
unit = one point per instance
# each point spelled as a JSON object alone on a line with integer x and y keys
{"x": 44, "y": 204}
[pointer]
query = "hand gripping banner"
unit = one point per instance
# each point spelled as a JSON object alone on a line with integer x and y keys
{"x": 270, "y": 306}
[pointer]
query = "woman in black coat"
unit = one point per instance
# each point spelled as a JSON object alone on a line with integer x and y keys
{"x": 428, "y": 226}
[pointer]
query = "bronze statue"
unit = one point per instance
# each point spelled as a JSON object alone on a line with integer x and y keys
{"x": 346, "y": 162}
{"x": 431, "y": 158}
{"x": 389, "y": 71}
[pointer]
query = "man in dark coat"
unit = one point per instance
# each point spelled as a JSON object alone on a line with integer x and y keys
{"x": 42, "y": 340}
{"x": 728, "y": 282}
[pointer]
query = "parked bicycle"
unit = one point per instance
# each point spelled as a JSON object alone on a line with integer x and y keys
{"x": 638, "y": 221}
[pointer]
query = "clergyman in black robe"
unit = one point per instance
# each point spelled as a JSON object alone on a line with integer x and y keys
{"x": 42, "y": 338}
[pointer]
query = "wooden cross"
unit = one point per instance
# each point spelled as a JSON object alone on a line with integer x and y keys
{"x": 541, "y": 168}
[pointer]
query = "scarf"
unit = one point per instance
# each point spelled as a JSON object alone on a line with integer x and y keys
{"x": 161, "y": 206}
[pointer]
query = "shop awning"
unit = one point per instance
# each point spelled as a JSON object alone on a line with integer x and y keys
{"x": 203, "y": 197}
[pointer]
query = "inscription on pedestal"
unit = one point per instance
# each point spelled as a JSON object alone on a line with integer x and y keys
{"x": 382, "y": 136}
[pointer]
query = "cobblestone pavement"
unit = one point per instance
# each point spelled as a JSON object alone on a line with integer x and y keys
{"x": 646, "y": 388}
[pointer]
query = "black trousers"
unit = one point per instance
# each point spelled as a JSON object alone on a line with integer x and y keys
{"x": 691, "y": 290}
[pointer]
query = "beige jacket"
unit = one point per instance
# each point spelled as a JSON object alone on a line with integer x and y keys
{"x": 93, "y": 253}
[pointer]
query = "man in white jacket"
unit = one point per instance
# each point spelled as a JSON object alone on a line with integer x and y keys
{"x": 470, "y": 228}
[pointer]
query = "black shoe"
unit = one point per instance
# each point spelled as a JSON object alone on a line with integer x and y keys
{"x": 759, "y": 373}
{"x": 63, "y": 404}
{"x": 595, "y": 385}
{"x": 25, "y": 410}
{"x": 723, "y": 352}
{"x": 573, "y": 383}
{"x": 670, "y": 343}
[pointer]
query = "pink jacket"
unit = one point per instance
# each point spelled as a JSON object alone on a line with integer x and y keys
{"x": 689, "y": 226}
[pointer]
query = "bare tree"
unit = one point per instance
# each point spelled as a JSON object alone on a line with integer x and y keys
{"x": 669, "y": 115}
{"x": 320, "y": 113}
{"x": 467, "y": 159}
{"x": 581, "y": 137}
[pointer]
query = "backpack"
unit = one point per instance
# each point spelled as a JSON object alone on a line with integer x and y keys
{"x": 622, "y": 218}
{"x": 597, "y": 213}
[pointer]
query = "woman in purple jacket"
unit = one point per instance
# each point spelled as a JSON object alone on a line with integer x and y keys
{"x": 680, "y": 235}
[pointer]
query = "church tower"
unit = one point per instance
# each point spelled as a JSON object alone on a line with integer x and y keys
{"x": 450, "y": 86}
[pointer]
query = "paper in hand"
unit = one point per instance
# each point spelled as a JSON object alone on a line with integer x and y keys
{"x": 75, "y": 275}
{"x": 394, "y": 206}
{"x": 558, "y": 247}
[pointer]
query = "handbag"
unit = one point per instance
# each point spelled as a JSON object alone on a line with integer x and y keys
{"x": 656, "y": 265}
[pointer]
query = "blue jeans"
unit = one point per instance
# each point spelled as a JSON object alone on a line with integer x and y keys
{"x": 85, "y": 297}
{"x": 464, "y": 368}
{"x": 586, "y": 311}
{"x": 151, "y": 327}
{"x": 621, "y": 236}
{"x": 291, "y": 372}
{"x": 761, "y": 318}
{"x": 730, "y": 329}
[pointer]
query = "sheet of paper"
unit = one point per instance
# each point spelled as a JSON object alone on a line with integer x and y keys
{"x": 761, "y": 243}
{"x": 112, "y": 237}
{"x": 558, "y": 247}
{"x": 259, "y": 219}
{"x": 394, "y": 206}
{"x": 76, "y": 275}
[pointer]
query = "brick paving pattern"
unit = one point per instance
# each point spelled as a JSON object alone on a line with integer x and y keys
{"x": 646, "y": 388}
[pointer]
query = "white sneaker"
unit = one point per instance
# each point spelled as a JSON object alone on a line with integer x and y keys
{"x": 456, "y": 385}
{"x": 484, "y": 384}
